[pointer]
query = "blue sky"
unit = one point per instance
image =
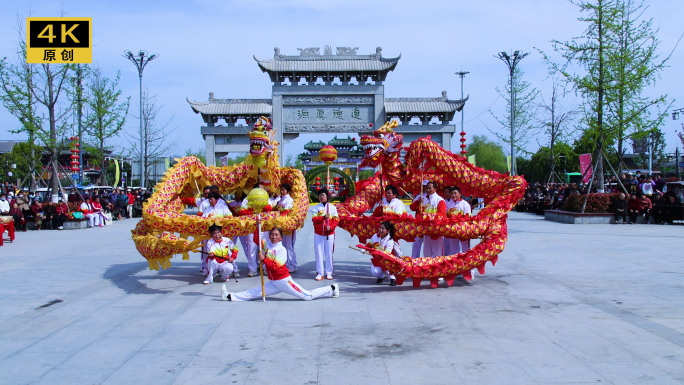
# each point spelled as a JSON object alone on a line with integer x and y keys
{"x": 208, "y": 46}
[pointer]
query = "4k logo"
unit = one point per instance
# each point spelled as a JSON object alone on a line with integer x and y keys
{"x": 59, "y": 40}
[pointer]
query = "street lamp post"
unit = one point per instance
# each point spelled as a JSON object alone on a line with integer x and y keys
{"x": 511, "y": 62}
{"x": 462, "y": 74}
{"x": 140, "y": 62}
{"x": 675, "y": 116}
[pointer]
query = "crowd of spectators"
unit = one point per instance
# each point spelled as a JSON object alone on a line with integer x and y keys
{"x": 27, "y": 208}
{"x": 645, "y": 196}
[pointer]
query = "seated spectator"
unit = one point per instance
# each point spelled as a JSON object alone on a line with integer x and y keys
{"x": 87, "y": 210}
{"x": 18, "y": 215}
{"x": 4, "y": 204}
{"x": 61, "y": 214}
{"x": 97, "y": 210}
{"x": 658, "y": 208}
{"x": 48, "y": 214}
{"x": 37, "y": 212}
{"x": 633, "y": 207}
{"x": 24, "y": 205}
{"x": 621, "y": 208}
{"x": 640, "y": 206}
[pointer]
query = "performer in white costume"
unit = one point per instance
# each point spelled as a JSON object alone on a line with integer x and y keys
{"x": 432, "y": 206}
{"x": 384, "y": 240}
{"x": 280, "y": 281}
{"x": 325, "y": 220}
{"x": 221, "y": 255}
{"x": 457, "y": 205}
{"x": 289, "y": 237}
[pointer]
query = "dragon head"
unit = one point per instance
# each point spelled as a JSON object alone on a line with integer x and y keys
{"x": 260, "y": 137}
{"x": 382, "y": 143}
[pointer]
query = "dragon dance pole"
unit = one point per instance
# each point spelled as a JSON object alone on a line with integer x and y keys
{"x": 261, "y": 263}
{"x": 258, "y": 199}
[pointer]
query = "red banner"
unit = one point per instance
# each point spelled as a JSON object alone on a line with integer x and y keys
{"x": 585, "y": 167}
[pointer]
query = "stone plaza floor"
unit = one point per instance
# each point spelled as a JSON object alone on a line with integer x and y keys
{"x": 565, "y": 304}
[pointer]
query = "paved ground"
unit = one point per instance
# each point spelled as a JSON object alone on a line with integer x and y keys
{"x": 573, "y": 304}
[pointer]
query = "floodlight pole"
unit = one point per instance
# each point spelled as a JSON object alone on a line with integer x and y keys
{"x": 462, "y": 74}
{"x": 140, "y": 62}
{"x": 511, "y": 62}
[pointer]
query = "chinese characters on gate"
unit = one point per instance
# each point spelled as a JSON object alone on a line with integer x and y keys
{"x": 327, "y": 114}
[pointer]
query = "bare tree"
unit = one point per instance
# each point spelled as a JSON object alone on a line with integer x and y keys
{"x": 556, "y": 127}
{"x": 526, "y": 108}
{"x": 157, "y": 138}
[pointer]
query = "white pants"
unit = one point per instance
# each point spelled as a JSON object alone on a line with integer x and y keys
{"x": 204, "y": 255}
{"x": 377, "y": 272}
{"x": 417, "y": 246}
{"x": 433, "y": 247}
{"x": 93, "y": 219}
{"x": 223, "y": 268}
{"x": 289, "y": 242}
{"x": 447, "y": 247}
{"x": 251, "y": 264}
{"x": 253, "y": 251}
{"x": 285, "y": 285}
{"x": 456, "y": 245}
{"x": 323, "y": 249}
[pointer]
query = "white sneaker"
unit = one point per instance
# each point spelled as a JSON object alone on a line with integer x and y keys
{"x": 329, "y": 276}
{"x": 318, "y": 277}
{"x": 60, "y": 228}
{"x": 336, "y": 290}
{"x": 252, "y": 274}
{"x": 236, "y": 274}
{"x": 206, "y": 282}
{"x": 224, "y": 292}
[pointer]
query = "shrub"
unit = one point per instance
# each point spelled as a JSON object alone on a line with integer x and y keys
{"x": 596, "y": 203}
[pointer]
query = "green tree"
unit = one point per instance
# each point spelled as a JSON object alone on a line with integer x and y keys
{"x": 488, "y": 155}
{"x": 199, "y": 154}
{"x": 591, "y": 53}
{"x": 105, "y": 112}
{"x": 566, "y": 161}
{"x": 238, "y": 159}
{"x": 31, "y": 92}
{"x": 636, "y": 65}
{"x": 526, "y": 108}
{"x": 298, "y": 164}
{"x": 556, "y": 126}
{"x": 26, "y": 156}
{"x": 610, "y": 66}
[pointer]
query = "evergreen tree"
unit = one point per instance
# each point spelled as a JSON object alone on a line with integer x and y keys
{"x": 526, "y": 108}
{"x": 105, "y": 113}
{"x": 488, "y": 155}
